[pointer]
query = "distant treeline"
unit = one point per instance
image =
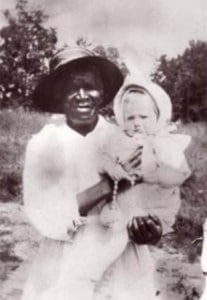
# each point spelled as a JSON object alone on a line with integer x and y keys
{"x": 185, "y": 80}
{"x": 27, "y": 44}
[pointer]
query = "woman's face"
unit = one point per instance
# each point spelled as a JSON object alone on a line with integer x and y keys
{"x": 83, "y": 99}
{"x": 139, "y": 113}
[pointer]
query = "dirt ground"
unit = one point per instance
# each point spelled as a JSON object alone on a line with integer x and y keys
{"x": 179, "y": 279}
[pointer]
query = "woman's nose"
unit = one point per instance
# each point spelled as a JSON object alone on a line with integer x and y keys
{"x": 82, "y": 94}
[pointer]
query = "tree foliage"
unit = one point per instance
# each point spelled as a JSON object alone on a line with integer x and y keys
{"x": 111, "y": 53}
{"x": 185, "y": 79}
{"x": 25, "y": 46}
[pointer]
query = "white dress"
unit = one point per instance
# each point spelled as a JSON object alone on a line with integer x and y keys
{"x": 93, "y": 263}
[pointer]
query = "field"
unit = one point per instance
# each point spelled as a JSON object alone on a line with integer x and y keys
{"x": 177, "y": 254}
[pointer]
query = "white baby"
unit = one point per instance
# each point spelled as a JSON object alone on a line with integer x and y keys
{"x": 143, "y": 113}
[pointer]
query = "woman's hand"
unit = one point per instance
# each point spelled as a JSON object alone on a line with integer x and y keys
{"x": 145, "y": 230}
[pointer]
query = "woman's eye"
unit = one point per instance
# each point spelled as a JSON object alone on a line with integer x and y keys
{"x": 94, "y": 93}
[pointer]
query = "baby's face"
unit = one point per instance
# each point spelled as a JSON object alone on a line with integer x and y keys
{"x": 139, "y": 114}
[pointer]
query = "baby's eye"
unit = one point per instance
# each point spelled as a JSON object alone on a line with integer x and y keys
{"x": 143, "y": 117}
{"x": 130, "y": 118}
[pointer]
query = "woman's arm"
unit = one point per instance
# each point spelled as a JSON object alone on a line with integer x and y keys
{"x": 49, "y": 199}
{"x": 93, "y": 195}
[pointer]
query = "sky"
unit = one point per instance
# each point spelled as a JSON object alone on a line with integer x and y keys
{"x": 142, "y": 30}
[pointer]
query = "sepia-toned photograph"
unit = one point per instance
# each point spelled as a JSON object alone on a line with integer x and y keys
{"x": 103, "y": 150}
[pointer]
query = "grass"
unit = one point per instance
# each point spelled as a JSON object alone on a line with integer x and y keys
{"x": 194, "y": 191}
{"x": 16, "y": 127}
{"x": 193, "y": 210}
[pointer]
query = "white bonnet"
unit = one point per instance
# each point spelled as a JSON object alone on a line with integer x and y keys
{"x": 159, "y": 96}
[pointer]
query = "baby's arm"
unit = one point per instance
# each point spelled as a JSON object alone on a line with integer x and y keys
{"x": 170, "y": 164}
{"x": 111, "y": 166}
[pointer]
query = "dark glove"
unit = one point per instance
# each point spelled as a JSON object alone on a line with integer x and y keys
{"x": 145, "y": 230}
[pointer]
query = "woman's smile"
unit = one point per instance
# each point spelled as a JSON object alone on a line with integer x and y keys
{"x": 83, "y": 108}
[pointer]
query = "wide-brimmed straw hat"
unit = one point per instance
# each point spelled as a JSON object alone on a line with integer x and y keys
{"x": 49, "y": 94}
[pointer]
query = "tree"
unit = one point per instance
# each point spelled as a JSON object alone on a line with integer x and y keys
{"x": 185, "y": 79}
{"x": 110, "y": 53}
{"x": 26, "y": 45}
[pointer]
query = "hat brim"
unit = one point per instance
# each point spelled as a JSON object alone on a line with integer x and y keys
{"x": 48, "y": 96}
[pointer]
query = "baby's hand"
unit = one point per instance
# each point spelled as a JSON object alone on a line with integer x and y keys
{"x": 132, "y": 164}
{"x": 78, "y": 223}
{"x": 115, "y": 170}
{"x": 136, "y": 178}
{"x": 118, "y": 173}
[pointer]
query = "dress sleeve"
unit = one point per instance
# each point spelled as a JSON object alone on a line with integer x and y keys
{"x": 170, "y": 165}
{"x": 49, "y": 199}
